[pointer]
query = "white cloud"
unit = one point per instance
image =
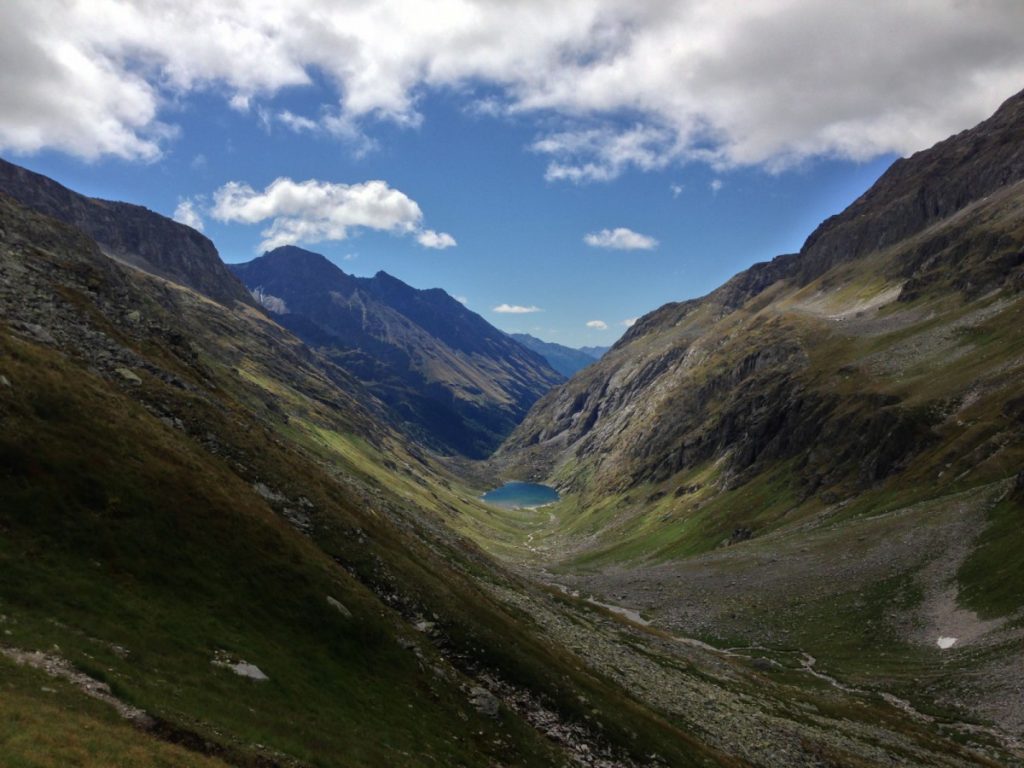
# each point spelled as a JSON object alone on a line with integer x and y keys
{"x": 313, "y": 211}
{"x": 187, "y": 214}
{"x": 515, "y": 309}
{"x": 599, "y": 325}
{"x": 601, "y": 154}
{"x": 462, "y": 300}
{"x": 676, "y": 189}
{"x": 632, "y": 85}
{"x": 620, "y": 238}
{"x": 297, "y": 123}
{"x": 428, "y": 238}
{"x": 715, "y": 185}
{"x": 329, "y": 123}
{"x": 487, "y": 107}
{"x": 629, "y": 322}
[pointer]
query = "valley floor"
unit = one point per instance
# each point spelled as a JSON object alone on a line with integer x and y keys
{"x": 817, "y": 644}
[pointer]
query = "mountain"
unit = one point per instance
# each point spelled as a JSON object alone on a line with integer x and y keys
{"x": 459, "y": 383}
{"x": 595, "y": 353}
{"x": 218, "y": 551}
{"x": 566, "y": 360}
{"x": 931, "y": 244}
{"x": 130, "y": 233}
{"x": 826, "y": 449}
{"x": 220, "y": 548}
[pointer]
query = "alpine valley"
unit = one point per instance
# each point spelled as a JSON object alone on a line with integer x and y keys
{"x": 241, "y": 524}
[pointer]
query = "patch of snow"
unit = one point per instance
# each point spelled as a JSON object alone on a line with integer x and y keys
{"x": 945, "y": 642}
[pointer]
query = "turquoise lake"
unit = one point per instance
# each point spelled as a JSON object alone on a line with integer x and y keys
{"x": 516, "y": 495}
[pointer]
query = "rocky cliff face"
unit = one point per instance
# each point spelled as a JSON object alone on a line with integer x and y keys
{"x": 842, "y": 363}
{"x": 459, "y": 383}
{"x": 130, "y": 233}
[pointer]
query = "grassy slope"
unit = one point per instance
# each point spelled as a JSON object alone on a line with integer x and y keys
{"x": 122, "y": 533}
{"x": 48, "y": 724}
{"x": 120, "y": 529}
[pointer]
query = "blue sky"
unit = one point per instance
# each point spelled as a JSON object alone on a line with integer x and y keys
{"x": 512, "y": 158}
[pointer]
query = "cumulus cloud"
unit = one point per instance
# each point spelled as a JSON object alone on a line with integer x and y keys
{"x": 515, "y": 309}
{"x": 428, "y": 238}
{"x": 715, "y": 185}
{"x": 313, "y": 211}
{"x": 629, "y": 322}
{"x": 187, "y": 214}
{"x": 620, "y": 238}
{"x": 599, "y": 325}
{"x": 632, "y": 85}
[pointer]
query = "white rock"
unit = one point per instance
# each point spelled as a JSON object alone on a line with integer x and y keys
{"x": 245, "y": 669}
{"x": 946, "y": 642}
{"x": 241, "y": 667}
{"x": 339, "y": 607}
{"x": 128, "y": 375}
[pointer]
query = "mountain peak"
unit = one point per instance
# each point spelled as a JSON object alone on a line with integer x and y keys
{"x": 130, "y": 233}
{"x": 420, "y": 351}
{"x": 295, "y": 254}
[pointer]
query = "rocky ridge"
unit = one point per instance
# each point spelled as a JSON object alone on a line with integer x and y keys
{"x": 130, "y": 233}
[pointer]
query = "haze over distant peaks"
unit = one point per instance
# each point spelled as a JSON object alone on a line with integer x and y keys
{"x": 566, "y": 360}
{"x": 595, "y": 352}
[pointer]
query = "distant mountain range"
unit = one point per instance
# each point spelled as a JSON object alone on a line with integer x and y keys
{"x": 458, "y": 383}
{"x": 566, "y": 360}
